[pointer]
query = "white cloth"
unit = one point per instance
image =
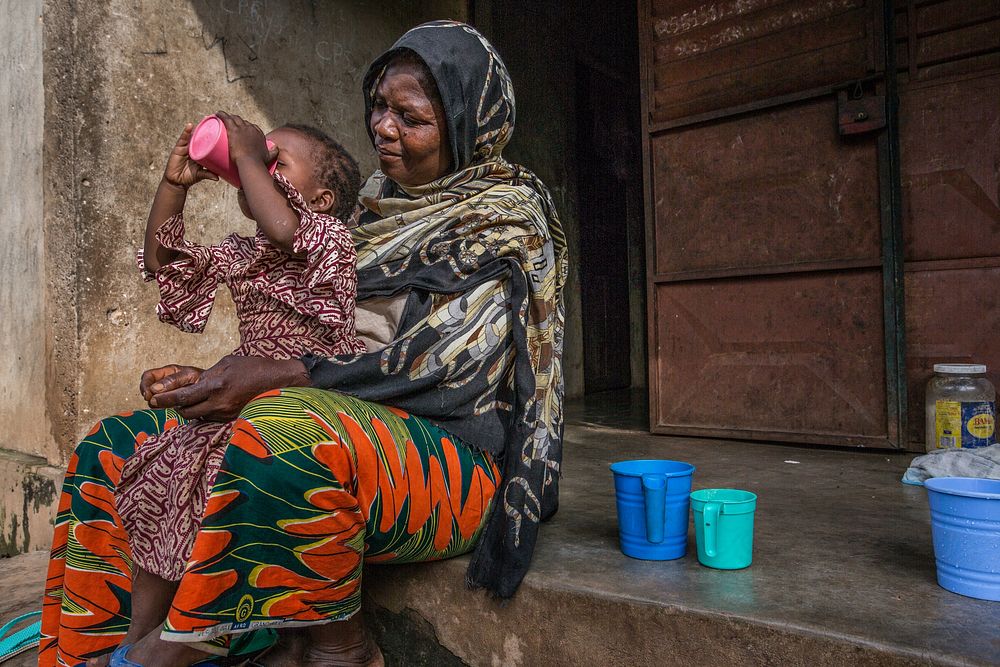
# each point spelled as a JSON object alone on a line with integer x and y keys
{"x": 983, "y": 462}
{"x": 377, "y": 319}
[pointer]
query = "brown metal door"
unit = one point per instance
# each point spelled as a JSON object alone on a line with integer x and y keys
{"x": 773, "y": 292}
{"x": 949, "y": 118}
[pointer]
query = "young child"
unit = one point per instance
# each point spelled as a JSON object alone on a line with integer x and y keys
{"x": 294, "y": 286}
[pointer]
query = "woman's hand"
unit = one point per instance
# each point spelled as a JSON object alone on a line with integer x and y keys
{"x": 246, "y": 140}
{"x": 220, "y": 392}
{"x": 166, "y": 378}
{"x": 181, "y": 170}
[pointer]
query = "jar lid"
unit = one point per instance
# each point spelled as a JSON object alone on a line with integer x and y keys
{"x": 959, "y": 369}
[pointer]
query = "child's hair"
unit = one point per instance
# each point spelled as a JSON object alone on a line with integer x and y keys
{"x": 335, "y": 169}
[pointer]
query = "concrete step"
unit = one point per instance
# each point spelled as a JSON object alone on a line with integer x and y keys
{"x": 843, "y": 574}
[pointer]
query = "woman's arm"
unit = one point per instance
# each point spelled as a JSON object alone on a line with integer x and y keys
{"x": 220, "y": 392}
{"x": 180, "y": 173}
{"x": 270, "y": 207}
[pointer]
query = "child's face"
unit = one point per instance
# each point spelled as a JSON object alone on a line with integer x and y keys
{"x": 295, "y": 162}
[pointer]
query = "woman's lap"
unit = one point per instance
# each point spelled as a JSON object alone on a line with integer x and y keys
{"x": 86, "y": 605}
{"x": 310, "y": 481}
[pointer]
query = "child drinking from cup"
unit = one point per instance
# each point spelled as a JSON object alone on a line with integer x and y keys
{"x": 294, "y": 286}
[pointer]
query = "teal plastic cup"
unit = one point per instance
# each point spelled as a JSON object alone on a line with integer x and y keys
{"x": 723, "y": 527}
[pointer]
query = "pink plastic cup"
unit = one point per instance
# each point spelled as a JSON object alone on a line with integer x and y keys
{"x": 209, "y": 147}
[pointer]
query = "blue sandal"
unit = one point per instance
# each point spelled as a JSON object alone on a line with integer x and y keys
{"x": 250, "y": 647}
{"x": 23, "y": 640}
{"x": 120, "y": 657}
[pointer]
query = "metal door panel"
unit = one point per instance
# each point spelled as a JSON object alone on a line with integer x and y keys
{"x": 950, "y": 149}
{"x": 949, "y": 118}
{"x": 951, "y": 15}
{"x": 768, "y": 79}
{"x": 722, "y": 48}
{"x": 953, "y": 37}
{"x": 735, "y": 174}
{"x": 792, "y": 357}
{"x": 709, "y": 56}
{"x": 961, "y": 42}
{"x": 769, "y": 318}
{"x": 774, "y": 189}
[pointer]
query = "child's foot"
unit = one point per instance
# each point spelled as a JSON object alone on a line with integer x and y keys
{"x": 134, "y": 634}
{"x": 151, "y": 651}
{"x": 100, "y": 661}
{"x": 151, "y": 596}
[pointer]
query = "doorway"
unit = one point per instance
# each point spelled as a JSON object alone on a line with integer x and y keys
{"x": 609, "y": 205}
{"x": 575, "y": 68}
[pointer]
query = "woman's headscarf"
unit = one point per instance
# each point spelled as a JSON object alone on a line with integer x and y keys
{"x": 482, "y": 255}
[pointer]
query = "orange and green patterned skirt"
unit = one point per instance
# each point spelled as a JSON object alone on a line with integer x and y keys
{"x": 313, "y": 485}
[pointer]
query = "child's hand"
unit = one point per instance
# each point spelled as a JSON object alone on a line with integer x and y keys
{"x": 181, "y": 170}
{"x": 246, "y": 140}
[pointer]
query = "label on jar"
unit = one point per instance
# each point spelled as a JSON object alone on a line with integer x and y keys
{"x": 967, "y": 424}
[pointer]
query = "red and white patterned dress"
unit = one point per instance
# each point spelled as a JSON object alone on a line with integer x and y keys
{"x": 286, "y": 307}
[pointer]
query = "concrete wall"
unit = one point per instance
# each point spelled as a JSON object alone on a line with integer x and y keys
{"x": 27, "y": 485}
{"x": 23, "y": 419}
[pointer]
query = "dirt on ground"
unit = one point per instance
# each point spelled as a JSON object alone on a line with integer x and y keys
{"x": 23, "y": 579}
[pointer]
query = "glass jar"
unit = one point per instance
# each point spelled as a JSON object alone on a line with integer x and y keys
{"x": 960, "y": 407}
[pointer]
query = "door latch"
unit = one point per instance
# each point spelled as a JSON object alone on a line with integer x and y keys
{"x": 858, "y": 113}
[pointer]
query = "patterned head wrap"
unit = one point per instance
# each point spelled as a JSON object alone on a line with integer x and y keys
{"x": 472, "y": 80}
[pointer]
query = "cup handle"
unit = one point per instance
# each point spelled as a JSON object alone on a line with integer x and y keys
{"x": 654, "y": 493}
{"x": 710, "y": 527}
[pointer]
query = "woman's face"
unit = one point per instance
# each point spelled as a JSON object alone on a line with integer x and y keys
{"x": 408, "y": 123}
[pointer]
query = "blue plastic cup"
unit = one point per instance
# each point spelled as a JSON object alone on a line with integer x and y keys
{"x": 965, "y": 525}
{"x": 653, "y": 499}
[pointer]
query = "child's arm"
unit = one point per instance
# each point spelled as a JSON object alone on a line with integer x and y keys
{"x": 267, "y": 202}
{"x": 180, "y": 173}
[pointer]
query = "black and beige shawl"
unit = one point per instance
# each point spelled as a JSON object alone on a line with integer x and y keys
{"x": 482, "y": 256}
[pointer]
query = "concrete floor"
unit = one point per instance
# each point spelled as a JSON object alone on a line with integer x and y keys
{"x": 841, "y": 546}
{"x": 843, "y": 571}
{"x": 23, "y": 579}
